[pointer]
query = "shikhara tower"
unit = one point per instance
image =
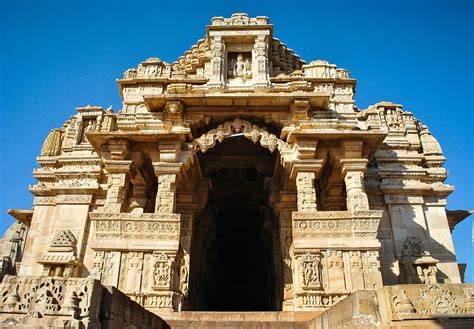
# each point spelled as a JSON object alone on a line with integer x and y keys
{"x": 239, "y": 178}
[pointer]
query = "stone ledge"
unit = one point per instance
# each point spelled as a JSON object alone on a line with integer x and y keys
{"x": 36, "y": 301}
{"x": 409, "y": 305}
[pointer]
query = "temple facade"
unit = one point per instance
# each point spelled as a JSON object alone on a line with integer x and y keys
{"x": 241, "y": 178}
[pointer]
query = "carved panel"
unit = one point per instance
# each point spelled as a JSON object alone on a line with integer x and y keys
{"x": 39, "y": 296}
{"x": 145, "y": 226}
{"x": 336, "y": 224}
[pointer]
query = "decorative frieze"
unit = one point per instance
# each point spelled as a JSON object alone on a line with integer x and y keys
{"x": 416, "y": 301}
{"x": 130, "y": 226}
{"x": 319, "y": 300}
{"x": 40, "y": 296}
{"x": 336, "y": 224}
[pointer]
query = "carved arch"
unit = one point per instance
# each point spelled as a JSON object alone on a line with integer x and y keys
{"x": 239, "y": 126}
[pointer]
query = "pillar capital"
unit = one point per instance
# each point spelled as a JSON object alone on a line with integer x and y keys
{"x": 353, "y": 165}
{"x": 313, "y": 165}
{"x": 118, "y": 166}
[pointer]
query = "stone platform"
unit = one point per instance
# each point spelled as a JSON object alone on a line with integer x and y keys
{"x": 295, "y": 320}
{"x": 57, "y": 302}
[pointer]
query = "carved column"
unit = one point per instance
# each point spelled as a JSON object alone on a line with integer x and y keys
{"x": 306, "y": 191}
{"x": 261, "y": 69}
{"x": 356, "y": 198}
{"x": 117, "y": 184}
{"x": 353, "y": 167}
{"x": 216, "y": 79}
{"x": 166, "y": 195}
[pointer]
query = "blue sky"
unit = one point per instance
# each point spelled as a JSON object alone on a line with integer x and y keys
{"x": 58, "y": 55}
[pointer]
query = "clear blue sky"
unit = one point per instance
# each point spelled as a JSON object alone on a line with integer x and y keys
{"x": 57, "y": 55}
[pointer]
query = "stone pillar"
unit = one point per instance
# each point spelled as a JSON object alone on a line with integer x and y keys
{"x": 117, "y": 184}
{"x": 260, "y": 62}
{"x": 286, "y": 242}
{"x": 353, "y": 167}
{"x": 306, "y": 191}
{"x": 356, "y": 198}
{"x": 138, "y": 199}
{"x": 216, "y": 79}
{"x": 166, "y": 195}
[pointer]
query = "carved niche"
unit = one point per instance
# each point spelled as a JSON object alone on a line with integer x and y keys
{"x": 60, "y": 258}
{"x": 239, "y": 67}
{"x": 161, "y": 278}
{"x": 310, "y": 271}
{"x": 416, "y": 263}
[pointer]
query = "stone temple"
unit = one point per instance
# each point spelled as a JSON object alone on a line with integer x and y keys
{"x": 239, "y": 186}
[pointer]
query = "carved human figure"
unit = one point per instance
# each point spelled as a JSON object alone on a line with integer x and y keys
{"x": 241, "y": 68}
{"x": 88, "y": 128}
{"x": 79, "y": 127}
{"x": 161, "y": 273}
{"x": 392, "y": 119}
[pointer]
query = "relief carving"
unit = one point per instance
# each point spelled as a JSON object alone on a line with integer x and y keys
{"x": 310, "y": 271}
{"x": 52, "y": 143}
{"x": 161, "y": 272}
{"x": 306, "y": 191}
{"x": 335, "y": 270}
{"x": 401, "y": 303}
{"x": 166, "y": 194}
{"x": 238, "y": 126}
{"x": 356, "y": 197}
{"x": 240, "y": 68}
{"x": 416, "y": 263}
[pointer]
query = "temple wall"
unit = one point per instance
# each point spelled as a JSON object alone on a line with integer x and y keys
{"x": 357, "y": 195}
{"x": 37, "y": 241}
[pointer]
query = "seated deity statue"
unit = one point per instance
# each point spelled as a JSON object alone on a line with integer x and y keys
{"x": 240, "y": 68}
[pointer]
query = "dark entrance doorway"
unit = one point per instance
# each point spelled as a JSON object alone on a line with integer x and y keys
{"x": 232, "y": 258}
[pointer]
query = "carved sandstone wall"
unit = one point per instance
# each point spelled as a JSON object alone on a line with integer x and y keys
{"x": 358, "y": 195}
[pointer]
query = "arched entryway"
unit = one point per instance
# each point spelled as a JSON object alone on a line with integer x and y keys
{"x": 234, "y": 254}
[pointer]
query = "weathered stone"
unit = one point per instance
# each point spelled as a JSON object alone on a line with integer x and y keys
{"x": 241, "y": 178}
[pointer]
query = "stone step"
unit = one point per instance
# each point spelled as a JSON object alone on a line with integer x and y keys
{"x": 295, "y": 320}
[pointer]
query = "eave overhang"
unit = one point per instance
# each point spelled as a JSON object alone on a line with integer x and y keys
{"x": 238, "y": 99}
